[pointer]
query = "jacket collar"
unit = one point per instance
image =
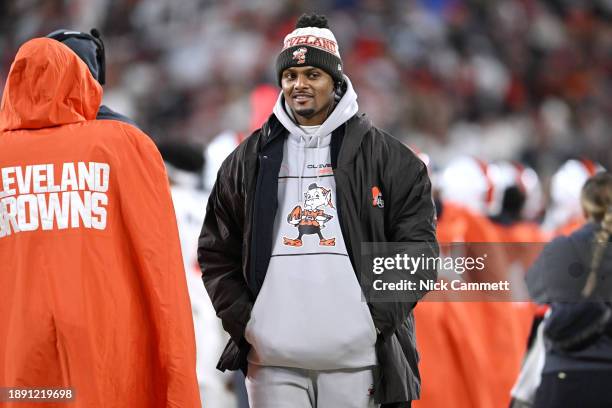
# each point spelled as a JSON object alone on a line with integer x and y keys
{"x": 270, "y": 130}
{"x": 354, "y": 131}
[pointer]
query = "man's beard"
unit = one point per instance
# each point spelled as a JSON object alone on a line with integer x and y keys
{"x": 306, "y": 113}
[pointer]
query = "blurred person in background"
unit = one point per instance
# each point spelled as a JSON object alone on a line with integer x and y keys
{"x": 261, "y": 102}
{"x": 279, "y": 247}
{"x": 573, "y": 275}
{"x": 461, "y": 343}
{"x": 565, "y": 214}
{"x": 185, "y": 164}
{"x": 517, "y": 202}
{"x": 92, "y": 285}
{"x": 90, "y": 48}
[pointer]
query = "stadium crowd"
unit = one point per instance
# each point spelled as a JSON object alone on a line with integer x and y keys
{"x": 509, "y": 79}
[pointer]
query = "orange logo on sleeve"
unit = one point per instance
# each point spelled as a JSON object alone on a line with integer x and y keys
{"x": 377, "y": 200}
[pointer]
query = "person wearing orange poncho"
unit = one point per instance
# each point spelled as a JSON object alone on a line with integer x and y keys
{"x": 92, "y": 286}
{"x": 470, "y": 351}
{"x": 467, "y": 348}
{"x": 524, "y": 241}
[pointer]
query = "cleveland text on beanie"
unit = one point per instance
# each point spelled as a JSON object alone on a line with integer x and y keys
{"x": 311, "y": 44}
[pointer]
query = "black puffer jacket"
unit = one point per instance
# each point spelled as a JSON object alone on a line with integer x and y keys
{"x": 236, "y": 240}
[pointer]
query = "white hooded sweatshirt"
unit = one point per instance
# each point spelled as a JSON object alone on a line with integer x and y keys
{"x": 310, "y": 312}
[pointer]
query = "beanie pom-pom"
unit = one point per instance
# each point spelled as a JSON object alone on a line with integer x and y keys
{"x": 312, "y": 20}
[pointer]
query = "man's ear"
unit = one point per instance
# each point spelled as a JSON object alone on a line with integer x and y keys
{"x": 338, "y": 91}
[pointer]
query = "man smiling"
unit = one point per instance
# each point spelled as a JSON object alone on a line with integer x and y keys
{"x": 307, "y": 91}
{"x": 290, "y": 299}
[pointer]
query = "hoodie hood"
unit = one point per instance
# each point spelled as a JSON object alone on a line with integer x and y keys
{"x": 346, "y": 108}
{"x": 48, "y": 85}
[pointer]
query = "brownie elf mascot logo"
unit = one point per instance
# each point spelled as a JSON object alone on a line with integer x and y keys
{"x": 300, "y": 55}
{"x": 310, "y": 219}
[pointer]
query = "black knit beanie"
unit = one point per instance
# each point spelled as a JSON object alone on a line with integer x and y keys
{"x": 311, "y": 44}
{"x": 89, "y": 47}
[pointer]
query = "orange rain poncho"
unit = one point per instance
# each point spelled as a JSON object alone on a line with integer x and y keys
{"x": 471, "y": 352}
{"x": 92, "y": 286}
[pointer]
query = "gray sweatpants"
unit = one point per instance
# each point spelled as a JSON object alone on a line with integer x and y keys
{"x": 282, "y": 387}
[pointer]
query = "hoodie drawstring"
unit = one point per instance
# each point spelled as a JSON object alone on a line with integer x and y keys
{"x": 318, "y": 156}
{"x": 302, "y": 148}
